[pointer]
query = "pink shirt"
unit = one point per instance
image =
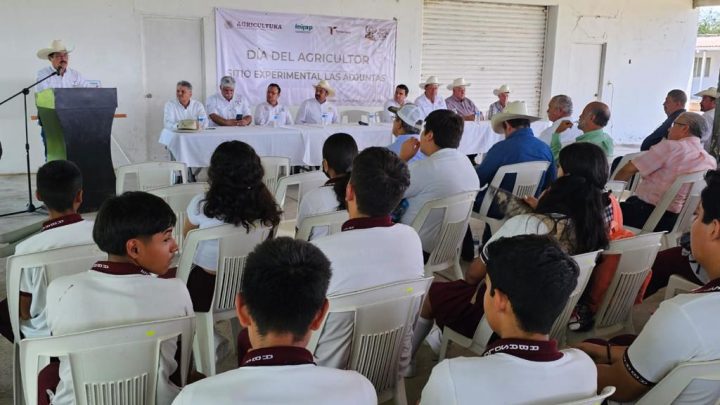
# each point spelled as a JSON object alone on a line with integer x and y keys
{"x": 664, "y": 162}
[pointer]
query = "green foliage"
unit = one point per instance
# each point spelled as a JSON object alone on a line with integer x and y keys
{"x": 709, "y": 21}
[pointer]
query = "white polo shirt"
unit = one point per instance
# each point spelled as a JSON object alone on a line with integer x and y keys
{"x": 71, "y": 78}
{"x": 442, "y": 174}
{"x": 175, "y": 112}
{"x": 68, "y": 230}
{"x": 114, "y": 294}
{"x": 206, "y": 255}
{"x": 311, "y": 111}
{"x": 683, "y": 329}
{"x": 368, "y": 253}
{"x": 266, "y": 114}
{"x": 566, "y": 137}
{"x": 513, "y": 371}
{"x": 280, "y": 375}
{"x": 427, "y": 106}
{"x": 218, "y": 104}
{"x": 321, "y": 200}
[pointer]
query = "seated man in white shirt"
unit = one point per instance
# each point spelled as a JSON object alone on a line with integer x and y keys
{"x": 683, "y": 329}
{"x": 318, "y": 110}
{"x": 59, "y": 187}
{"x": 444, "y": 173}
{"x": 271, "y": 112}
{"x": 184, "y": 107}
{"x": 430, "y": 101}
{"x": 279, "y": 369}
{"x": 560, "y": 108}
{"x": 707, "y": 106}
{"x": 529, "y": 280}
{"x": 398, "y": 100}
{"x": 227, "y": 109}
{"x": 135, "y": 230}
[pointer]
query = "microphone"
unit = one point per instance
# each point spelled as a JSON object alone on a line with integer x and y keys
{"x": 58, "y": 70}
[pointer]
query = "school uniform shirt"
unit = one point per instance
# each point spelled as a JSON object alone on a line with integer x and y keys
{"x": 683, "y": 329}
{"x": 566, "y": 137}
{"x": 175, "y": 112}
{"x": 114, "y": 294}
{"x": 442, "y": 174}
{"x": 513, "y": 371}
{"x": 218, "y": 104}
{"x": 266, "y": 114}
{"x": 311, "y": 111}
{"x": 369, "y": 252}
{"x": 71, "y": 78}
{"x": 427, "y": 106}
{"x": 321, "y": 200}
{"x": 206, "y": 255}
{"x": 280, "y": 375}
{"x": 68, "y": 230}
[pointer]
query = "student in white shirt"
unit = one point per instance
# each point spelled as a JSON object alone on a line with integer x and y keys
{"x": 184, "y": 107}
{"x": 398, "y": 100}
{"x": 135, "y": 229}
{"x": 279, "y": 369}
{"x": 430, "y": 101}
{"x": 683, "y": 329}
{"x": 59, "y": 187}
{"x": 318, "y": 110}
{"x": 227, "y": 108}
{"x": 560, "y": 108}
{"x": 444, "y": 173}
{"x": 271, "y": 112}
{"x": 529, "y": 281}
{"x": 338, "y": 153}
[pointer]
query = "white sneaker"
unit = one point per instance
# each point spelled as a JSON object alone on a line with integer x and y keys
{"x": 411, "y": 370}
{"x": 434, "y": 339}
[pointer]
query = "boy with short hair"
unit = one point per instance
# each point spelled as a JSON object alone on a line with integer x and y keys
{"x": 529, "y": 281}
{"x": 135, "y": 229}
{"x": 59, "y": 187}
{"x": 279, "y": 369}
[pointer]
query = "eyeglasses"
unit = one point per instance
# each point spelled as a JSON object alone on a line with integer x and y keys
{"x": 679, "y": 124}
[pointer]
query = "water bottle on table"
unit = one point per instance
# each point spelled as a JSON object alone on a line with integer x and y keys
{"x": 201, "y": 122}
{"x": 477, "y": 116}
{"x": 325, "y": 118}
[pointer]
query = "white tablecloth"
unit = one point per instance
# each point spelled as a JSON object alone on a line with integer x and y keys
{"x": 478, "y": 137}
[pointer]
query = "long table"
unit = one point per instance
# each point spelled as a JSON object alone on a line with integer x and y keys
{"x": 303, "y": 143}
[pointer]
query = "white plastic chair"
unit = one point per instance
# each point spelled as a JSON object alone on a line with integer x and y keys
{"x": 616, "y": 187}
{"x": 333, "y": 221}
{"x": 456, "y": 211}
{"x": 274, "y": 167}
{"x": 685, "y": 217}
{"x": 53, "y": 263}
{"x": 234, "y": 245}
{"x": 110, "y": 366}
{"x": 673, "y": 384}
{"x": 633, "y": 182}
{"x": 615, "y": 312}
{"x": 529, "y": 175}
{"x": 382, "y": 317}
{"x": 594, "y": 400}
{"x": 678, "y": 285}
{"x": 353, "y": 116}
{"x": 150, "y": 175}
{"x": 178, "y": 198}
{"x": 305, "y": 181}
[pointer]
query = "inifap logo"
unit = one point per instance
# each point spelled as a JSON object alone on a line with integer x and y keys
{"x": 305, "y": 29}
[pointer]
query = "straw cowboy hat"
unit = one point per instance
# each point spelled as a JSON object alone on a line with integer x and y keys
{"x": 710, "y": 92}
{"x": 323, "y": 84}
{"x": 502, "y": 89}
{"x": 56, "y": 46}
{"x": 513, "y": 110}
{"x": 459, "y": 82}
{"x": 430, "y": 80}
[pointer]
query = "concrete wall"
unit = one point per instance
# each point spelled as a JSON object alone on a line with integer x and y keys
{"x": 650, "y": 49}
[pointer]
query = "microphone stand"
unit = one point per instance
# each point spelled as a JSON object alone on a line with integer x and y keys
{"x": 30, "y": 207}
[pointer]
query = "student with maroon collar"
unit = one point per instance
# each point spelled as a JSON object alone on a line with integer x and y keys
{"x": 135, "y": 229}
{"x": 59, "y": 187}
{"x": 683, "y": 329}
{"x": 529, "y": 280}
{"x": 279, "y": 369}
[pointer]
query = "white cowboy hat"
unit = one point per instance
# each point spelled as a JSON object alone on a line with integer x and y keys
{"x": 502, "y": 89}
{"x": 430, "y": 80}
{"x": 710, "y": 92}
{"x": 323, "y": 84}
{"x": 459, "y": 82}
{"x": 409, "y": 114}
{"x": 56, "y": 46}
{"x": 513, "y": 110}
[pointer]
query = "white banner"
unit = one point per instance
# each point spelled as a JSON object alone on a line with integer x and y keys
{"x": 357, "y": 56}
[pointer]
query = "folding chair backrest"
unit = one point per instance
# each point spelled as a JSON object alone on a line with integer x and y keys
{"x": 382, "y": 316}
{"x": 234, "y": 245}
{"x": 150, "y": 175}
{"x": 686, "y": 215}
{"x": 456, "y": 214}
{"x": 637, "y": 255}
{"x": 616, "y": 187}
{"x": 353, "y": 116}
{"x": 305, "y": 181}
{"x": 673, "y": 384}
{"x": 594, "y": 400}
{"x": 107, "y": 372}
{"x": 529, "y": 175}
{"x": 178, "y": 198}
{"x": 696, "y": 182}
{"x": 586, "y": 263}
{"x": 633, "y": 182}
{"x": 274, "y": 167}
{"x": 333, "y": 221}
